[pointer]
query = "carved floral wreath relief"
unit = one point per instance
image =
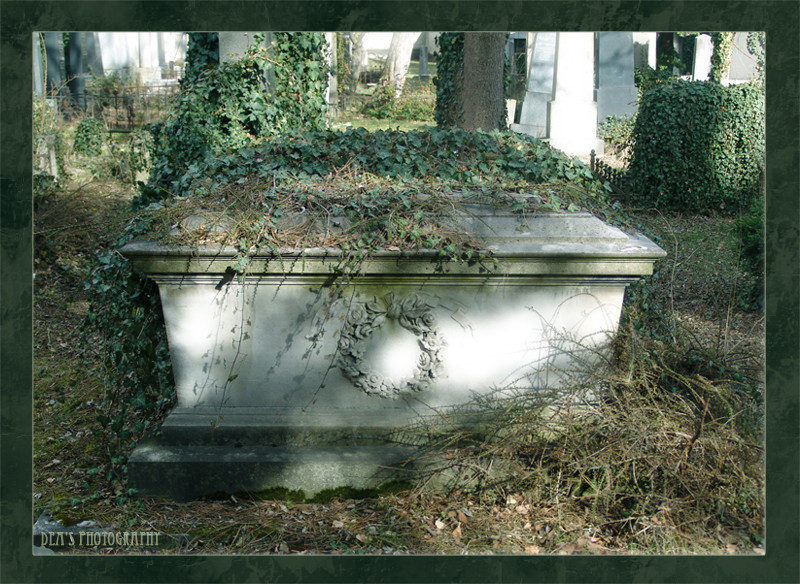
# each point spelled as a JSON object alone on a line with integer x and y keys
{"x": 413, "y": 313}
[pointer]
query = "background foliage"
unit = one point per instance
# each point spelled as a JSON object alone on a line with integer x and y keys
{"x": 223, "y": 108}
{"x": 47, "y": 133}
{"x": 418, "y": 104}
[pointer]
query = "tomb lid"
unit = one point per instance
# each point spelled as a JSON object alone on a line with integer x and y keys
{"x": 544, "y": 237}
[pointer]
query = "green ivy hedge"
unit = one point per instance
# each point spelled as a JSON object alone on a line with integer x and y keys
{"x": 457, "y": 156}
{"x": 699, "y": 147}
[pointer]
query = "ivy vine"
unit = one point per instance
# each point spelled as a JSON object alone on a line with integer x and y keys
{"x": 756, "y": 44}
{"x": 721, "y": 55}
{"x": 297, "y": 102}
{"x": 449, "y": 69}
{"x": 202, "y": 53}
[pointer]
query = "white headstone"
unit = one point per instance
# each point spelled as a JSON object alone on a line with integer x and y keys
{"x": 703, "y": 49}
{"x": 332, "y": 89}
{"x": 573, "y": 111}
{"x": 644, "y": 44}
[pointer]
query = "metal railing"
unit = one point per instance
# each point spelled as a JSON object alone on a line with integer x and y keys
{"x": 123, "y": 109}
{"x": 619, "y": 179}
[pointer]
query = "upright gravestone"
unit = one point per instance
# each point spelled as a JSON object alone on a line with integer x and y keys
{"x": 533, "y": 117}
{"x": 94, "y": 55}
{"x": 76, "y": 76}
{"x": 616, "y": 91}
{"x": 233, "y": 46}
{"x": 423, "y": 57}
{"x": 332, "y": 90}
{"x": 38, "y": 66}
{"x": 744, "y": 64}
{"x": 644, "y": 44}
{"x": 701, "y": 65}
{"x": 573, "y": 111}
{"x": 54, "y": 49}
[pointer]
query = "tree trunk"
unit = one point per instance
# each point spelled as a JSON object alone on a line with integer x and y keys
{"x": 396, "y": 67}
{"x": 483, "y": 94}
{"x": 359, "y": 56}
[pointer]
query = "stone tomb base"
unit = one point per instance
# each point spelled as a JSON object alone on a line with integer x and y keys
{"x": 280, "y": 385}
{"x": 249, "y": 452}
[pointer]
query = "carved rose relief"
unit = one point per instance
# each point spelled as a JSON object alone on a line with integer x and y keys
{"x": 413, "y": 313}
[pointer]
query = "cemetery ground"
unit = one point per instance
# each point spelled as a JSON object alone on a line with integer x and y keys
{"x": 699, "y": 282}
{"x": 673, "y": 466}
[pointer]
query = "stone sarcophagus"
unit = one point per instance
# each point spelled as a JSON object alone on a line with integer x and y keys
{"x": 286, "y": 377}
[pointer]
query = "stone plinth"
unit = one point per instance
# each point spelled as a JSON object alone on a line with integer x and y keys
{"x": 279, "y": 384}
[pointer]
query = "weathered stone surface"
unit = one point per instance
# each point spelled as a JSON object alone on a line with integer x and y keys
{"x": 616, "y": 92}
{"x": 280, "y": 385}
{"x": 539, "y": 91}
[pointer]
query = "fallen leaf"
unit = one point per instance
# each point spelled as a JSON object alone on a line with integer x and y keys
{"x": 732, "y": 548}
{"x": 439, "y": 524}
{"x": 457, "y": 532}
{"x": 338, "y": 524}
{"x": 596, "y": 548}
{"x": 523, "y": 509}
{"x": 531, "y": 549}
{"x": 570, "y": 548}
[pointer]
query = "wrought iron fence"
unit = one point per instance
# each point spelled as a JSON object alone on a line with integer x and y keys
{"x": 619, "y": 179}
{"x": 123, "y": 109}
